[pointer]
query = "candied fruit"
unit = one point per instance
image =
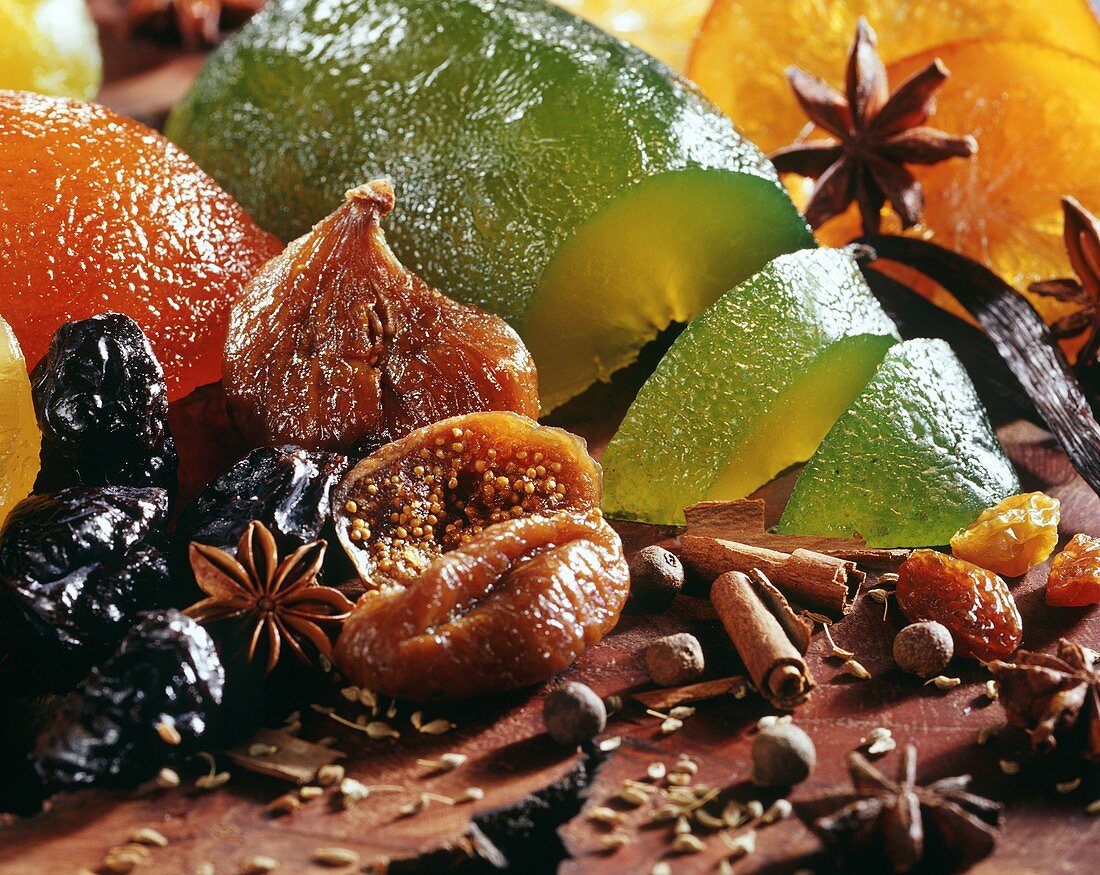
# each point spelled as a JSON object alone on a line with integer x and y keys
{"x": 334, "y": 345}
{"x": 1013, "y": 536}
{"x": 1075, "y": 574}
{"x": 974, "y": 604}
{"x": 19, "y": 436}
{"x": 98, "y": 212}
{"x": 410, "y": 502}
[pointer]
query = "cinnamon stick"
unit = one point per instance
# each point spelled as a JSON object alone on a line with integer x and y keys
{"x": 774, "y": 663}
{"x": 743, "y": 521}
{"x": 670, "y": 697}
{"x": 812, "y": 580}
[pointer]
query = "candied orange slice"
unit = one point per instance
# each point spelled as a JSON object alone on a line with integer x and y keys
{"x": 744, "y": 46}
{"x": 664, "y": 28}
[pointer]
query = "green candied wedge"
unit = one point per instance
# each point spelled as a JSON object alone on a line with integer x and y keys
{"x": 547, "y": 171}
{"x": 749, "y": 389}
{"x": 912, "y": 461}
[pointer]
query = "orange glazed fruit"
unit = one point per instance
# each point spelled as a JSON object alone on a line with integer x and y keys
{"x": 1075, "y": 574}
{"x": 97, "y": 213}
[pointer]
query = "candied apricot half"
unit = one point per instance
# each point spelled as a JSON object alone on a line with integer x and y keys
{"x": 439, "y": 487}
{"x": 334, "y": 345}
{"x": 514, "y": 605}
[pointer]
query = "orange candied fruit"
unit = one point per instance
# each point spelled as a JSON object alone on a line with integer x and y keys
{"x": 1075, "y": 574}
{"x": 1013, "y": 536}
{"x": 974, "y": 604}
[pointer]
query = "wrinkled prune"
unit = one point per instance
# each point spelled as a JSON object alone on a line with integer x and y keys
{"x": 165, "y": 684}
{"x": 334, "y": 344}
{"x": 403, "y": 507}
{"x": 288, "y": 489}
{"x": 76, "y": 567}
{"x": 514, "y": 605}
{"x": 102, "y": 405}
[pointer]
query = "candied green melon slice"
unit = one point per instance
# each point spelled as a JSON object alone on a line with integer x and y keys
{"x": 913, "y": 459}
{"x": 546, "y": 171}
{"x": 749, "y": 388}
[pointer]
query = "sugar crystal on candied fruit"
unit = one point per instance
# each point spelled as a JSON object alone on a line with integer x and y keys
{"x": 334, "y": 345}
{"x": 1013, "y": 536}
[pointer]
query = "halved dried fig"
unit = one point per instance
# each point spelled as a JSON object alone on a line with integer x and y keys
{"x": 438, "y": 488}
{"x": 515, "y": 604}
{"x": 335, "y": 345}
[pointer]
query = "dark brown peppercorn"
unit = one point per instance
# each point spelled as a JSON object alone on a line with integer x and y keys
{"x": 573, "y": 713}
{"x": 675, "y": 659}
{"x": 782, "y": 755}
{"x": 923, "y": 649}
{"x": 656, "y": 578}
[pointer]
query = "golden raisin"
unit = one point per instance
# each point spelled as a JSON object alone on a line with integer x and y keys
{"x": 1012, "y": 537}
{"x": 1075, "y": 574}
{"x": 973, "y": 603}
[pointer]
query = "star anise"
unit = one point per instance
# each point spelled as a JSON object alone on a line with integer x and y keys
{"x": 1081, "y": 231}
{"x": 277, "y": 603}
{"x": 877, "y": 133}
{"x": 1055, "y": 698}
{"x": 899, "y": 826}
{"x": 199, "y": 23}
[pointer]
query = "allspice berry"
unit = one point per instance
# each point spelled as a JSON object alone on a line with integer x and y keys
{"x": 675, "y": 659}
{"x": 782, "y": 755}
{"x": 573, "y": 713}
{"x": 923, "y": 649}
{"x": 656, "y": 578}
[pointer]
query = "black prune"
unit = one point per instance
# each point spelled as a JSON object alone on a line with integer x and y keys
{"x": 102, "y": 405}
{"x": 76, "y": 567}
{"x": 287, "y": 488}
{"x": 165, "y": 680}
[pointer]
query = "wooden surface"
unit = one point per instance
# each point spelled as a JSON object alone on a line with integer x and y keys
{"x": 510, "y": 756}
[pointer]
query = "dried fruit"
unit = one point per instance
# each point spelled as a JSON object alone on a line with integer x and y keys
{"x": 1013, "y": 536}
{"x": 49, "y": 46}
{"x": 656, "y": 578}
{"x": 76, "y": 567}
{"x": 98, "y": 212}
{"x": 974, "y": 604}
{"x": 675, "y": 659}
{"x": 287, "y": 488}
{"x": 400, "y": 509}
{"x": 782, "y": 755}
{"x": 335, "y": 345}
{"x": 19, "y": 450}
{"x": 923, "y": 649}
{"x": 517, "y": 603}
{"x": 1074, "y": 578}
{"x": 102, "y": 406}
{"x": 166, "y": 671}
{"x": 573, "y": 714}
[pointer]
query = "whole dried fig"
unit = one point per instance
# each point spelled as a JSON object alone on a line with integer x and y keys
{"x": 515, "y": 604}
{"x": 441, "y": 486}
{"x": 334, "y": 345}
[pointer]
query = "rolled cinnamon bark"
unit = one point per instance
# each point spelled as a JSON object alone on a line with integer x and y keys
{"x": 774, "y": 663}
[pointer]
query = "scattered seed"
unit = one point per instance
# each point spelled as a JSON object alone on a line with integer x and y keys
{"x": 1068, "y": 786}
{"x": 818, "y": 618}
{"x": 1009, "y": 767}
{"x": 991, "y": 691}
{"x": 733, "y": 815}
{"x": 686, "y": 843}
{"x": 335, "y": 857}
{"x": 879, "y": 595}
{"x": 838, "y": 652}
{"x": 212, "y": 782}
{"x": 613, "y": 743}
{"x": 311, "y": 792}
{"x": 376, "y": 730}
{"x": 353, "y": 791}
{"x": 661, "y": 868}
{"x": 168, "y": 732}
{"x": 681, "y": 712}
{"x": 148, "y": 836}
{"x": 168, "y": 778}
{"x": 856, "y": 669}
{"x": 614, "y": 841}
{"x": 470, "y": 794}
{"x": 125, "y": 858}
{"x": 664, "y": 814}
{"x": 1093, "y": 807}
{"x": 605, "y": 815}
{"x": 943, "y": 683}
{"x": 742, "y": 845}
{"x": 685, "y": 765}
{"x": 881, "y": 746}
{"x": 258, "y": 864}
{"x": 391, "y": 710}
{"x": 205, "y": 868}
{"x": 288, "y": 803}
{"x": 709, "y": 820}
{"x": 411, "y": 808}
{"x": 437, "y": 727}
{"x": 656, "y": 771}
{"x": 633, "y": 796}
{"x": 779, "y": 810}
{"x": 330, "y": 774}
{"x": 261, "y": 750}
{"x": 416, "y": 719}
{"x": 670, "y": 725}
{"x": 754, "y": 808}
{"x": 683, "y": 825}
{"x": 679, "y": 779}
{"x": 888, "y": 578}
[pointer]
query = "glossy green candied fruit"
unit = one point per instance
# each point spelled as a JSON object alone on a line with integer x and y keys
{"x": 49, "y": 46}
{"x": 547, "y": 171}
{"x": 912, "y": 461}
{"x": 750, "y": 388}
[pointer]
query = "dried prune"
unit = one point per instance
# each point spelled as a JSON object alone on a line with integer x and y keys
{"x": 1013, "y": 536}
{"x": 76, "y": 567}
{"x": 403, "y": 507}
{"x": 334, "y": 344}
{"x": 155, "y": 700}
{"x": 974, "y": 604}
{"x": 102, "y": 405}
{"x": 287, "y": 488}
{"x": 515, "y": 604}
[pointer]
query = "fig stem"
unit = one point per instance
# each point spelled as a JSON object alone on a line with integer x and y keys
{"x": 378, "y": 193}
